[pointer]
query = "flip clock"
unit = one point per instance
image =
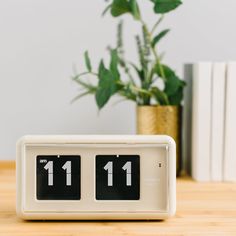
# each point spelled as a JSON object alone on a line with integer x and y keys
{"x": 96, "y": 177}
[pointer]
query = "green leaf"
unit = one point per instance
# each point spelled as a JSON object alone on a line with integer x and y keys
{"x": 164, "y": 6}
{"x": 87, "y": 61}
{"x": 106, "y": 87}
{"x": 172, "y": 84}
{"x": 138, "y": 71}
{"x": 159, "y": 37}
{"x": 135, "y": 9}
{"x": 114, "y": 64}
{"x": 177, "y": 98}
{"x": 120, "y": 7}
{"x": 128, "y": 93}
{"x": 172, "y": 81}
{"x": 83, "y": 84}
{"x": 167, "y": 70}
{"x": 160, "y": 96}
{"x": 81, "y": 95}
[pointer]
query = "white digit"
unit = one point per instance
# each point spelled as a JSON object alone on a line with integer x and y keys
{"x": 127, "y": 167}
{"x": 49, "y": 168}
{"x": 67, "y": 167}
{"x": 109, "y": 168}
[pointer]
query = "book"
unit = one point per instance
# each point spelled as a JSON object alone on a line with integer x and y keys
{"x": 217, "y": 120}
{"x": 187, "y": 119}
{"x": 229, "y": 167}
{"x": 201, "y": 121}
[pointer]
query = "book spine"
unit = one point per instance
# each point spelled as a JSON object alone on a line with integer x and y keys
{"x": 229, "y": 171}
{"x": 217, "y": 121}
{"x": 187, "y": 119}
{"x": 201, "y": 121}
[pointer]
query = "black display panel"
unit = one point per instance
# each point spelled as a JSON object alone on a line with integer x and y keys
{"x": 58, "y": 177}
{"x": 117, "y": 177}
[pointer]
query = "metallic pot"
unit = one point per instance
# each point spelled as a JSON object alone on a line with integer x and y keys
{"x": 161, "y": 120}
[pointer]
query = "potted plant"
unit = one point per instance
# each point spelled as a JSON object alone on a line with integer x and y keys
{"x": 153, "y": 86}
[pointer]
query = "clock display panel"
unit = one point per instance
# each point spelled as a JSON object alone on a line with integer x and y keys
{"x": 117, "y": 177}
{"x": 58, "y": 177}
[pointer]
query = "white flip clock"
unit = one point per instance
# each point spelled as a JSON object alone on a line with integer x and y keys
{"x": 96, "y": 177}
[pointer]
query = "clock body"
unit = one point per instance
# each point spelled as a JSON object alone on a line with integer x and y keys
{"x": 96, "y": 177}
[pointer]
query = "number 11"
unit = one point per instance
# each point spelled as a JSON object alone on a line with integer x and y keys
{"x": 126, "y": 167}
{"x": 66, "y": 167}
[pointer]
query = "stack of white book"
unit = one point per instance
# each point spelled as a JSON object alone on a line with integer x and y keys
{"x": 210, "y": 121}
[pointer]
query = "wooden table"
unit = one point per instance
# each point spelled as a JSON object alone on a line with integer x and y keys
{"x": 202, "y": 209}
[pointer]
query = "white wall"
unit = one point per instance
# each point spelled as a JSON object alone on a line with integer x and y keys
{"x": 40, "y": 40}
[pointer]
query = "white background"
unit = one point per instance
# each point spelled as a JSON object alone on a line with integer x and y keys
{"x": 40, "y": 41}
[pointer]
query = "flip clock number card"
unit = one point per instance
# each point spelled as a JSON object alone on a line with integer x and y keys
{"x": 96, "y": 177}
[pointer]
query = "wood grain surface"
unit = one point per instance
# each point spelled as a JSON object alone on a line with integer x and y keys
{"x": 202, "y": 209}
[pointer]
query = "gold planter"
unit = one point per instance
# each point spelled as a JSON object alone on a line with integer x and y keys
{"x": 161, "y": 120}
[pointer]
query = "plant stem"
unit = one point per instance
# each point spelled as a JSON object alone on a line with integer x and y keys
{"x": 149, "y": 34}
{"x": 127, "y": 71}
{"x": 140, "y": 90}
{"x": 157, "y": 23}
{"x": 135, "y": 88}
